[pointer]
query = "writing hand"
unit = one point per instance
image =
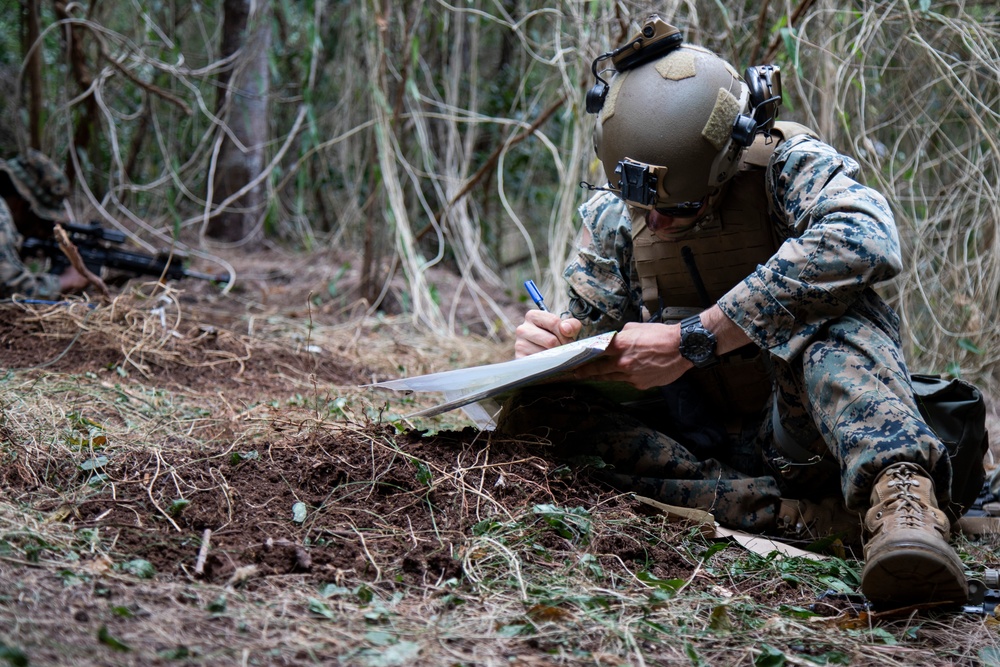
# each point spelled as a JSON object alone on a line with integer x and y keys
{"x": 542, "y": 330}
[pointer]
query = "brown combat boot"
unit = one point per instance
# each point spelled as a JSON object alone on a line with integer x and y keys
{"x": 907, "y": 557}
{"x": 808, "y": 520}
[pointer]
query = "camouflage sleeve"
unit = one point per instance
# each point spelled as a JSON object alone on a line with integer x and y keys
{"x": 15, "y": 278}
{"x": 604, "y": 291}
{"x": 842, "y": 239}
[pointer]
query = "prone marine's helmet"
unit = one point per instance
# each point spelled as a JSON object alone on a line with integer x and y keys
{"x": 38, "y": 181}
{"x": 675, "y": 119}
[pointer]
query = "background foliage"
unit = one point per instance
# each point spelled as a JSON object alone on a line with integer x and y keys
{"x": 410, "y": 135}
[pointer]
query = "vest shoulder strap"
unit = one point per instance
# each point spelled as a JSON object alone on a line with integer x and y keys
{"x": 787, "y": 129}
{"x": 759, "y": 153}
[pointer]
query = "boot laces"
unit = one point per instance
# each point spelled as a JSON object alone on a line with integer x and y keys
{"x": 908, "y": 507}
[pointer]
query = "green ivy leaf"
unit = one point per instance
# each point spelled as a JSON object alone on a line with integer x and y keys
{"x": 769, "y": 657}
{"x": 140, "y": 568}
{"x": 670, "y": 586}
{"x": 237, "y": 457}
{"x": 969, "y": 346}
{"x": 177, "y": 506}
{"x": 96, "y": 463}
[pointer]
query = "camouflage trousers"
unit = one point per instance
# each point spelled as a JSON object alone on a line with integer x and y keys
{"x": 833, "y": 419}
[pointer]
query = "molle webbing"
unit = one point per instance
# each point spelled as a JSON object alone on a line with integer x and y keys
{"x": 726, "y": 248}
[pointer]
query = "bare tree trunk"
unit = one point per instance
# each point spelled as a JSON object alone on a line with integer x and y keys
{"x": 85, "y": 134}
{"x": 34, "y": 72}
{"x": 243, "y": 105}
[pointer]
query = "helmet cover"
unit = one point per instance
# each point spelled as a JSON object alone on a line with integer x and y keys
{"x": 39, "y": 182}
{"x": 665, "y": 131}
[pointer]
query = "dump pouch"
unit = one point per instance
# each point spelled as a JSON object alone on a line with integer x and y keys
{"x": 956, "y": 411}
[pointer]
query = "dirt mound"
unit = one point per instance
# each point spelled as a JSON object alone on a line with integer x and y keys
{"x": 162, "y": 344}
{"x": 287, "y": 490}
{"x": 354, "y": 505}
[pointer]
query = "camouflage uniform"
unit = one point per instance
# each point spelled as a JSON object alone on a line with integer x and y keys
{"x": 841, "y": 406}
{"x": 38, "y": 181}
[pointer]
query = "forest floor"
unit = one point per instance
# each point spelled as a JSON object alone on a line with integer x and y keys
{"x": 197, "y": 478}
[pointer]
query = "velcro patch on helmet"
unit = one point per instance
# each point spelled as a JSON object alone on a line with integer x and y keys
{"x": 678, "y": 65}
{"x": 608, "y": 110}
{"x": 719, "y": 127}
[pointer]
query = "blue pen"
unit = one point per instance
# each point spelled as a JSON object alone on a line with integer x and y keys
{"x": 535, "y": 295}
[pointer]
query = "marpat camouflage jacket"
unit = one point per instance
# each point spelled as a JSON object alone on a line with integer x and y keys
{"x": 15, "y": 278}
{"x": 840, "y": 239}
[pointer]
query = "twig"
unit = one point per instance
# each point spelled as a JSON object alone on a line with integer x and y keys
{"x": 371, "y": 559}
{"x": 761, "y": 26}
{"x": 145, "y": 85}
{"x": 69, "y": 249}
{"x": 149, "y": 492}
{"x": 792, "y": 20}
{"x": 199, "y": 566}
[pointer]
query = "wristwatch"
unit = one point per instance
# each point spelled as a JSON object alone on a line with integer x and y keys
{"x": 697, "y": 343}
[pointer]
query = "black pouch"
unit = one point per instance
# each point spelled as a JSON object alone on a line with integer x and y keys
{"x": 956, "y": 411}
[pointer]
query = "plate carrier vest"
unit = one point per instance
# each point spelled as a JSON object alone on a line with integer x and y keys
{"x": 685, "y": 276}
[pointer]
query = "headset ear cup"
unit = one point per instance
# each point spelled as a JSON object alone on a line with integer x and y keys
{"x": 764, "y": 83}
{"x": 596, "y": 97}
{"x": 752, "y": 79}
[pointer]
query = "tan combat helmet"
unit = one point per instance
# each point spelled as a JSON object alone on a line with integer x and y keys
{"x": 670, "y": 127}
{"x": 39, "y": 182}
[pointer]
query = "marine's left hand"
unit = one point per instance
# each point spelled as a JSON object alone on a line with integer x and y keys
{"x": 648, "y": 355}
{"x": 643, "y": 355}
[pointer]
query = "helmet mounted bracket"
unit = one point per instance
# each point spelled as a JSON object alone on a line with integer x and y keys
{"x": 639, "y": 181}
{"x": 656, "y": 39}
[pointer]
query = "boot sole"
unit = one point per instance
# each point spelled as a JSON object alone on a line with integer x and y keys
{"x": 913, "y": 573}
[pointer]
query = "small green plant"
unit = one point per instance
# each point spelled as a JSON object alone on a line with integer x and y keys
{"x": 573, "y": 523}
{"x": 177, "y": 506}
{"x": 138, "y": 567}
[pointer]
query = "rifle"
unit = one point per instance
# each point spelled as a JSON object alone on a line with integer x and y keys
{"x": 98, "y": 249}
{"x": 984, "y": 597}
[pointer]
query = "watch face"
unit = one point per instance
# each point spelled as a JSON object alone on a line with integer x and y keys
{"x": 698, "y": 347}
{"x": 697, "y": 343}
